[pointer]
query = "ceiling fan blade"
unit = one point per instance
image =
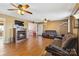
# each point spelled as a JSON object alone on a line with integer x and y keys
{"x": 14, "y": 5}
{"x": 28, "y": 12}
{"x": 12, "y": 9}
{"x": 26, "y": 6}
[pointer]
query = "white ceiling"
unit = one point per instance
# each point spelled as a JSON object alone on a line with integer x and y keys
{"x": 51, "y": 11}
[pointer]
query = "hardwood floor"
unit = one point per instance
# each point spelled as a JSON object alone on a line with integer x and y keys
{"x": 33, "y": 46}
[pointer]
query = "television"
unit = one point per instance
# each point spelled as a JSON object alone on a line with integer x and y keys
{"x": 19, "y": 23}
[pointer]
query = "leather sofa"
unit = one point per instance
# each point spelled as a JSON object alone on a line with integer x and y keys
{"x": 49, "y": 34}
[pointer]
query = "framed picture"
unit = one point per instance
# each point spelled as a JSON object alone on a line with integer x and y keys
{"x": 76, "y": 25}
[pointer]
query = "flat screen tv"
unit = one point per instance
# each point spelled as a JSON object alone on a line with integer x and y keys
{"x": 19, "y": 23}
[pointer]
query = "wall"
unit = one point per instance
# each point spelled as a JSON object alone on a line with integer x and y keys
{"x": 56, "y": 25}
{"x": 73, "y": 29}
{"x": 9, "y": 23}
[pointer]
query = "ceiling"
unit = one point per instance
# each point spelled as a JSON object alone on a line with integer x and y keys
{"x": 51, "y": 11}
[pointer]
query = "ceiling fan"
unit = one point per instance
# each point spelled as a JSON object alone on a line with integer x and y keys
{"x": 20, "y": 8}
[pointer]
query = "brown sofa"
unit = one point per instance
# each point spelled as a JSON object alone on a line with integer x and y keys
{"x": 49, "y": 34}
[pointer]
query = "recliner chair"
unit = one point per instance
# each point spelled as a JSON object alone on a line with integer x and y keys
{"x": 69, "y": 43}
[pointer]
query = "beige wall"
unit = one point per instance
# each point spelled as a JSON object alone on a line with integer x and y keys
{"x": 56, "y": 25}
{"x": 9, "y": 23}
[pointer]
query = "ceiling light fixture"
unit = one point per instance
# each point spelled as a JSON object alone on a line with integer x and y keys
{"x": 20, "y": 12}
{"x": 45, "y": 20}
{"x": 20, "y": 8}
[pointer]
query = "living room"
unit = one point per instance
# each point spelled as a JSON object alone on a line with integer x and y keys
{"x": 29, "y": 33}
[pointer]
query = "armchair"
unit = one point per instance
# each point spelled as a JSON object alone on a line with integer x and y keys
{"x": 68, "y": 44}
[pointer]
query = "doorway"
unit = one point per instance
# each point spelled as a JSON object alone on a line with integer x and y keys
{"x": 31, "y": 30}
{"x": 40, "y": 29}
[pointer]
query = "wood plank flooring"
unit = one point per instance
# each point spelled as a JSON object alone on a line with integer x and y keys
{"x": 33, "y": 46}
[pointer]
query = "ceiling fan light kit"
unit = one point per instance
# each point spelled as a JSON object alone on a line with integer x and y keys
{"x": 21, "y": 12}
